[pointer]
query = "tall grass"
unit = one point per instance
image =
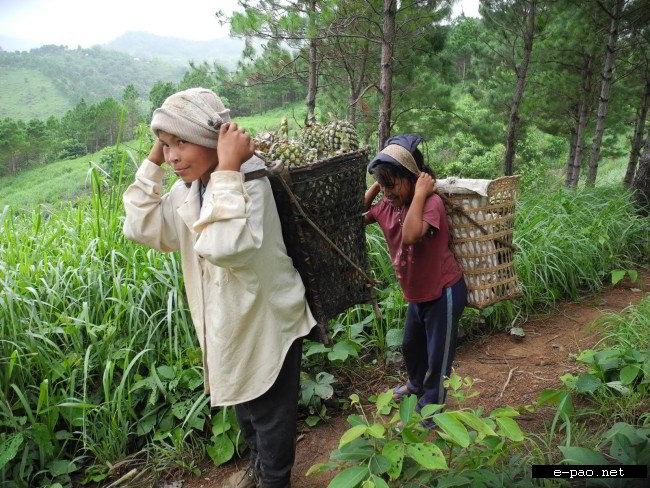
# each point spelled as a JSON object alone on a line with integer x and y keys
{"x": 97, "y": 350}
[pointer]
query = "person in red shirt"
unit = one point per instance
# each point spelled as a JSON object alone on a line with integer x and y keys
{"x": 413, "y": 220}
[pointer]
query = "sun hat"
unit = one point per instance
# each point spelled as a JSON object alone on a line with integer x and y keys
{"x": 194, "y": 115}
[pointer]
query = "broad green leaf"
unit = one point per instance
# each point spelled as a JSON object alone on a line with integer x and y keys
{"x": 629, "y": 374}
{"x": 582, "y": 455}
{"x": 323, "y": 390}
{"x": 219, "y": 425}
{"x": 316, "y": 468}
{"x": 394, "y": 452}
{"x": 379, "y": 482}
{"x": 394, "y": 337}
{"x": 367, "y": 484}
{"x": 622, "y": 450}
{"x": 379, "y": 464}
{"x": 222, "y": 450}
{"x": 626, "y": 430}
{"x": 633, "y": 274}
{"x": 452, "y": 480}
{"x": 341, "y": 351}
{"x": 427, "y": 455}
{"x": 61, "y": 467}
{"x": 384, "y": 399}
{"x": 569, "y": 380}
{"x": 616, "y": 385}
{"x": 349, "y": 478}
{"x": 453, "y": 428}
{"x": 510, "y": 429}
{"x": 9, "y": 448}
{"x": 316, "y": 348}
{"x": 357, "y": 450}
{"x": 587, "y": 383}
{"x": 312, "y": 420}
{"x": 504, "y": 412}
{"x": 166, "y": 372}
{"x": 354, "y": 419}
{"x": 429, "y": 409}
{"x": 351, "y": 434}
{"x": 587, "y": 356}
{"x": 354, "y": 398}
{"x": 407, "y": 407}
{"x": 376, "y": 430}
{"x": 146, "y": 424}
{"x": 474, "y": 422}
{"x": 617, "y": 275}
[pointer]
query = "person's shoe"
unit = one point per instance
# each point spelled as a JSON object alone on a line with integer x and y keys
{"x": 246, "y": 478}
{"x": 405, "y": 389}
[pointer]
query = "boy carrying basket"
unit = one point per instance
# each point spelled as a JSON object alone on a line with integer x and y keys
{"x": 246, "y": 299}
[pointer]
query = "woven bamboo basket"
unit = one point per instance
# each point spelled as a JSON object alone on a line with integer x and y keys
{"x": 330, "y": 192}
{"x": 486, "y": 259}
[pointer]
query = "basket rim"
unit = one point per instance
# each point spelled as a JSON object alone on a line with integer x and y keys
{"x": 333, "y": 159}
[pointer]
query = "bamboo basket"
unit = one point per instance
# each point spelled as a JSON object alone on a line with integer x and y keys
{"x": 330, "y": 192}
{"x": 486, "y": 258}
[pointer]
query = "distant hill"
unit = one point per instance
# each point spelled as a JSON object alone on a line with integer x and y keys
{"x": 225, "y": 51}
{"x": 51, "y": 79}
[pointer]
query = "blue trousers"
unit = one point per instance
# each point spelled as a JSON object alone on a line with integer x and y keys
{"x": 429, "y": 346}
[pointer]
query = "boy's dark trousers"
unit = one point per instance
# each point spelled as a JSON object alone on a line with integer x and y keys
{"x": 268, "y": 424}
{"x": 429, "y": 346}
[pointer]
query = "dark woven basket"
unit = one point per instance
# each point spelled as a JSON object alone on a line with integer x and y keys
{"x": 331, "y": 194}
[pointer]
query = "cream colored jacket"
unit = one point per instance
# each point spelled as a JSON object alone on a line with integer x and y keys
{"x": 246, "y": 299}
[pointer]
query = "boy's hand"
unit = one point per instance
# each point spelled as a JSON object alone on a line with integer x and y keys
{"x": 234, "y": 147}
{"x": 425, "y": 185}
{"x": 156, "y": 155}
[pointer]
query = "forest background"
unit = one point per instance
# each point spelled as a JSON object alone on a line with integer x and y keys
{"x": 93, "y": 373}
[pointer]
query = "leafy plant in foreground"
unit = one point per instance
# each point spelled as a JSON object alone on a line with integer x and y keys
{"x": 379, "y": 448}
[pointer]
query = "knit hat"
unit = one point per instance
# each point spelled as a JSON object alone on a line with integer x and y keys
{"x": 194, "y": 115}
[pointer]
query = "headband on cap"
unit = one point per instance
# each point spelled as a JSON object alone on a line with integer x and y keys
{"x": 398, "y": 152}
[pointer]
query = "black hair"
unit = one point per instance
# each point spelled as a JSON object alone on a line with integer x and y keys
{"x": 387, "y": 173}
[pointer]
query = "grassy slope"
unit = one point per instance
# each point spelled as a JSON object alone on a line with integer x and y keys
{"x": 27, "y": 93}
{"x": 66, "y": 180}
{"x": 271, "y": 120}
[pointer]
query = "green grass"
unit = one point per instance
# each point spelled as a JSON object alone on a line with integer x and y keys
{"x": 27, "y": 94}
{"x": 270, "y": 121}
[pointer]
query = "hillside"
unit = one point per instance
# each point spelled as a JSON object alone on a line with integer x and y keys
{"x": 49, "y": 80}
{"x": 176, "y": 51}
{"x": 27, "y": 93}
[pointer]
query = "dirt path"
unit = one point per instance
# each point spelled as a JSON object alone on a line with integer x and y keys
{"x": 535, "y": 361}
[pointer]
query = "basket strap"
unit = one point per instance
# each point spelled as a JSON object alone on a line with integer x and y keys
{"x": 459, "y": 210}
{"x": 295, "y": 201}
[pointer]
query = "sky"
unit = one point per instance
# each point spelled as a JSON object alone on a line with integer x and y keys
{"x": 32, "y": 23}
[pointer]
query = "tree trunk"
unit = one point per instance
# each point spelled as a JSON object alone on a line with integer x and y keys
{"x": 642, "y": 179}
{"x": 637, "y": 140}
{"x": 312, "y": 77}
{"x": 521, "y": 70}
{"x": 582, "y": 122}
{"x": 386, "y": 80}
{"x": 608, "y": 70}
{"x": 572, "y": 153}
{"x": 356, "y": 85}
